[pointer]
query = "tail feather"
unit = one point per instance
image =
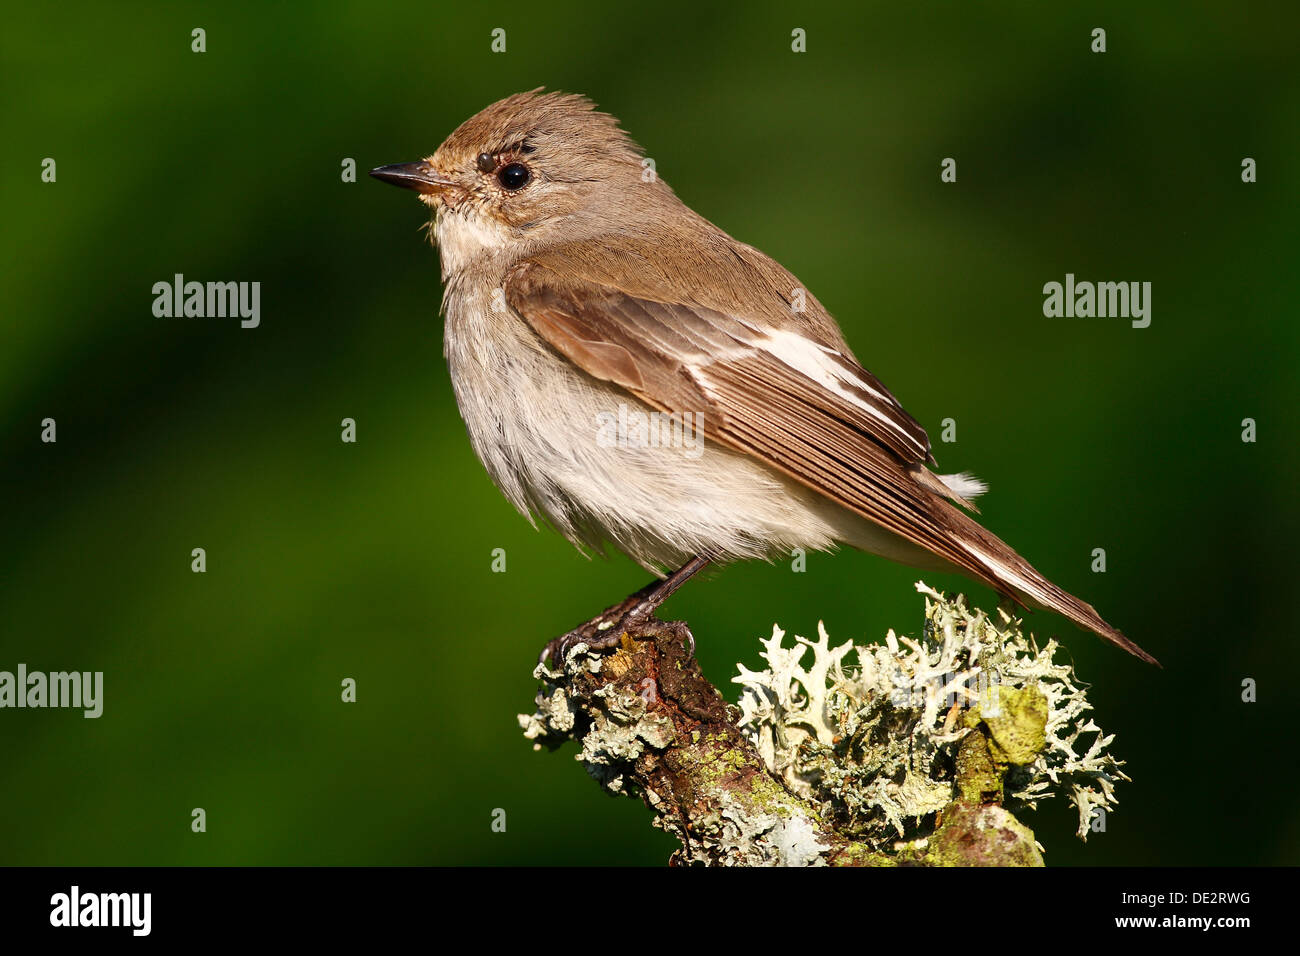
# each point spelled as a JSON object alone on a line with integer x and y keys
{"x": 1083, "y": 614}
{"x": 1012, "y": 575}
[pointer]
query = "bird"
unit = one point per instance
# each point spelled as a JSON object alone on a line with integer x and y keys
{"x": 584, "y": 303}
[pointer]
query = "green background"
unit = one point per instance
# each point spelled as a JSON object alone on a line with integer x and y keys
{"x": 373, "y": 561}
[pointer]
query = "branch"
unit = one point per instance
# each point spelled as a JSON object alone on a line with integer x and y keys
{"x": 897, "y": 761}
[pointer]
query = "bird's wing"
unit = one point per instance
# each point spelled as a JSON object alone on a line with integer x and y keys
{"x": 801, "y": 406}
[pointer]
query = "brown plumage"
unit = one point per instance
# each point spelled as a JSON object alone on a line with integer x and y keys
{"x": 616, "y": 292}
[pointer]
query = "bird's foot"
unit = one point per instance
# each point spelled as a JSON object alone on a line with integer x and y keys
{"x": 641, "y": 624}
{"x": 633, "y": 618}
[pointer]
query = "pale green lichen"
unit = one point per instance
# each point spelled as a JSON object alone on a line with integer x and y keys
{"x": 974, "y": 835}
{"x": 620, "y": 731}
{"x": 874, "y": 733}
{"x": 755, "y": 824}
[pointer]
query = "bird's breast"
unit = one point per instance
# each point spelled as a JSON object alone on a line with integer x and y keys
{"x": 468, "y": 239}
{"x": 602, "y": 466}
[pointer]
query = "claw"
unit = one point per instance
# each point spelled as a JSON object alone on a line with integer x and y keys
{"x": 634, "y": 616}
{"x": 602, "y": 633}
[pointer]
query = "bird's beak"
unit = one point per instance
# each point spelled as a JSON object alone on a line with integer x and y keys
{"x": 418, "y": 176}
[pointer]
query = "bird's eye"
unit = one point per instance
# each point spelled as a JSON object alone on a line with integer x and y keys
{"x": 486, "y": 162}
{"x": 514, "y": 176}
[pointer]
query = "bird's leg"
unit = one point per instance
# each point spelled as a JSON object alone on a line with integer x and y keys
{"x": 633, "y": 616}
{"x": 640, "y": 621}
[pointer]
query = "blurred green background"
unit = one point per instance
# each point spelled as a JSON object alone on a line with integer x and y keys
{"x": 373, "y": 561}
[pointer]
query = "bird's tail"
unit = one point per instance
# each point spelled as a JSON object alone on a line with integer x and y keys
{"x": 1010, "y": 574}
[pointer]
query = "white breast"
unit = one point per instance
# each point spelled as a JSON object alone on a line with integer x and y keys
{"x": 536, "y": 423}
{"x": 466, "y": 237}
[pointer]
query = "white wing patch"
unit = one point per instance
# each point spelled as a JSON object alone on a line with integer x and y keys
{"x": 964, "y": 484}
{"x": 813, "y": 360}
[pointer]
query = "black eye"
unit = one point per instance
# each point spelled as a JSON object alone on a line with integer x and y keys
{"x": 514, "y": 176}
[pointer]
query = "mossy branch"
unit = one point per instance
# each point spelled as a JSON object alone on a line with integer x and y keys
{"x": 918, "y": 754}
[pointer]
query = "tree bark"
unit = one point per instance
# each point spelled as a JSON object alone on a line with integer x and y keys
{"x": 651, "y": 726}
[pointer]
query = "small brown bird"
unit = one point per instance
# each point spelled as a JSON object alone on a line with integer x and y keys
{"x": 633, "y": 375}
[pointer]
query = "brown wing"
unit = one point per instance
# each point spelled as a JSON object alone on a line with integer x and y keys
{"x": 805, "y": 409}
{"x": 792, "y": 397}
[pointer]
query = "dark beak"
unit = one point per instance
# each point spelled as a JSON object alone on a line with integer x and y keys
{"x": 418, "y": 176}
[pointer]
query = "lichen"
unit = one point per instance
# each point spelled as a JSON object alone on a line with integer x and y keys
{"x": 619, "y": 731}
{"x": 885, "y": 737}
{"x": 908, "y": 752}
{"x": 704, "y": 783}
{"x": 973, "y": 834}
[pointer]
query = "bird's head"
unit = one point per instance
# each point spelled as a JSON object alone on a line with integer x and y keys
{"x": 528, "y": 170}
